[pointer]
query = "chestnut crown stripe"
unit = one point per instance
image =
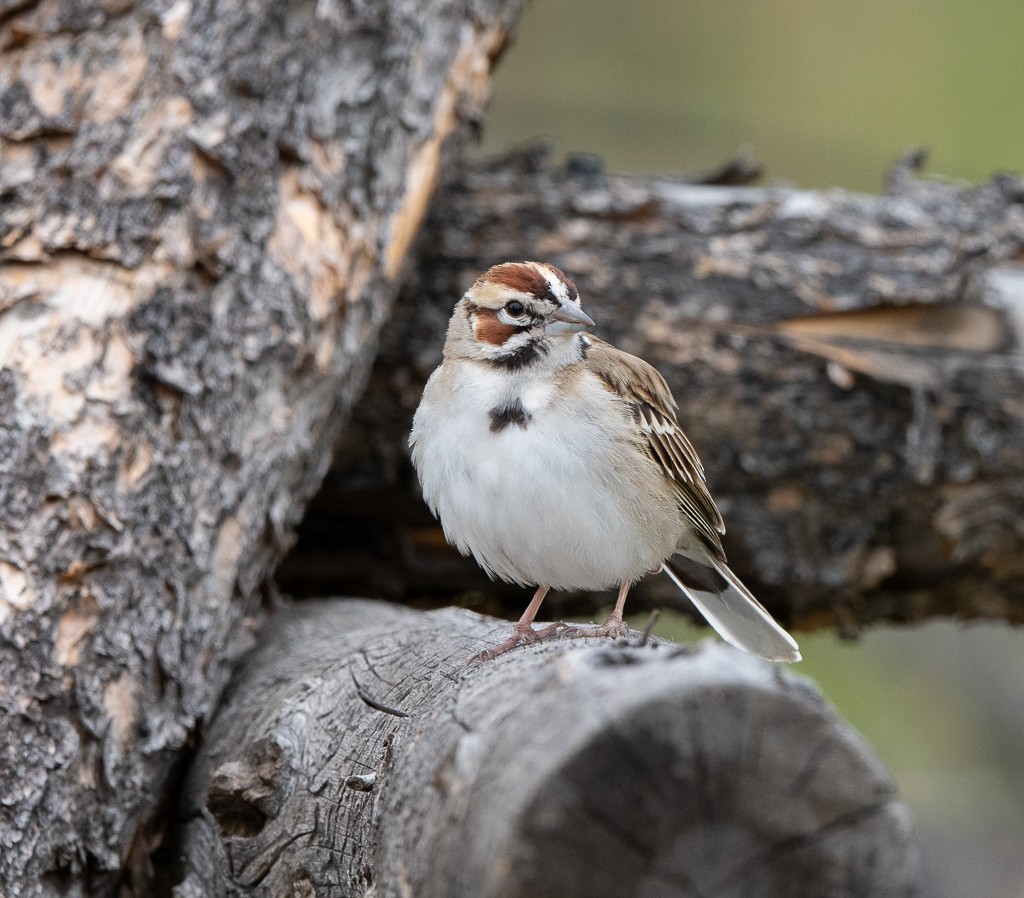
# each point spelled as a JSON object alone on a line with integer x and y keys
{"x": 530, "y": 279}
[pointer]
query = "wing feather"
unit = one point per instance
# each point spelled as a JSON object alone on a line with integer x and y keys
{"x": 654, "y": 415}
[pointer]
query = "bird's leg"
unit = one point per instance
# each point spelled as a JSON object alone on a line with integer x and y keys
{"x": 612, "y": 627}
{"x": 523, "y": 631}
{"x": 614, "y": 624}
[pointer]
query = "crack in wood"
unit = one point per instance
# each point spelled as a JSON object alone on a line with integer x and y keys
{"x": 377, "y": 705}
{"x": 757, "y": 864}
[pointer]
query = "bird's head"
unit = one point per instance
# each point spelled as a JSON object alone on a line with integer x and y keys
{"x": 519, "y": 314}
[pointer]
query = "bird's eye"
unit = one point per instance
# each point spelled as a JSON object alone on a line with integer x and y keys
{"x": 515, "y": 308}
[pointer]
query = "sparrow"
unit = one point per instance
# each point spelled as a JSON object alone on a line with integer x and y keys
{"x": 557, "y": 461}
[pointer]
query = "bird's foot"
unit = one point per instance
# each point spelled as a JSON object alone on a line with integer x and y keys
{"x": 522, "y": 634}
{"x": 613, "y": 628}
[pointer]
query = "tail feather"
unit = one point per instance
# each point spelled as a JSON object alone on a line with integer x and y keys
{"x": 739, "y": 618}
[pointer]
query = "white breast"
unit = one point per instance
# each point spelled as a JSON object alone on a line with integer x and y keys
{"x": 560, "y": 501}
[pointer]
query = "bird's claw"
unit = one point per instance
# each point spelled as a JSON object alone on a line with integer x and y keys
{"x": 613, "y": 628}
{"x": 522, "y": 634}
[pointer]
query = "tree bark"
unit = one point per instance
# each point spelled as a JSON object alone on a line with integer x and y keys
{"x": 848, "y": 367}
{"x": 204, "y": 211}
{"x": 357, "y": 754}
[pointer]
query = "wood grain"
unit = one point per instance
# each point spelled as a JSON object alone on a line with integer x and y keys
{"x": 357, "y": 754}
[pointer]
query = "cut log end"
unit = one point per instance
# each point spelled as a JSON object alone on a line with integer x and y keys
{"x": 561, "y": 769}
{"x": 709, "y": 795}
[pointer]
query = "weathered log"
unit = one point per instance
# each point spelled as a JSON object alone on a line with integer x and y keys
{"x": 357, "y": 754}
{"x": 204, "y": 209}
{"x": 850, "y": 369}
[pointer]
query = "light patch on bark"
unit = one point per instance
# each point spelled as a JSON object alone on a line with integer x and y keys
{"x": 1004, "y": 289}
{"x": 840, "y": 376}
{"x": 328, "y": 158}
{"x": 49, "y": 83}
{"x": 119, "y": 703}
{"x": 881, "y": 364}
{"x": 420, "y": 185}
{"x": 75, "y": 624}
{"x": 208, "y": 133}
{"x": 467, "y": 86}
{"x": 308, "y": 243}
{"x": 43, "y": 374}
{"x": 972, "y": 519}
{"x": 70, "y": 290}
{"x": 111, "y": 89}
{"x": 81, "y": 514}
{"x": 16, "y": 589}
{"x": 174, "y": 19}
{"x": 138, "y": 460}
{"x": 86, "y": 773}
{"x": 112, "y": 380}
{"x": 326, "y": 346}
{"x": 918, "y": 325}
{"x": 20, "y": 166}
{"x": 362, "y": 271}
{"x": 729, "y": 256}
{"x": 24, "y": 249}
{"x": 879, "y": 563}
{"x": 226, "y": 555}
{"x": 94, "y": 437}
{"x": 272, "y": 416}
{"x": 136, "y": 166}
{"x": 75, "y": 287}
{"x": 788, "y": 497}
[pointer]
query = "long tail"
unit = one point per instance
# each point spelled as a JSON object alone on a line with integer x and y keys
{"x": 739, "y": 618}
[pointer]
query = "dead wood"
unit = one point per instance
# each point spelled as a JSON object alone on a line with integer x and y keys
{"x": 849, "y": 367}
{"x": 204, "y": 210}
{"x": 357, "y": 754}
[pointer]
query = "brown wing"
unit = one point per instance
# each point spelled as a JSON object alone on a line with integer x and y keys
{"x": 654, "y": 414}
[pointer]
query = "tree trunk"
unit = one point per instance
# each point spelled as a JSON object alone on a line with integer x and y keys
{"x": 849, "y": 368}
{"x": 204, "y": 210}
{"x": 357, "y": 754}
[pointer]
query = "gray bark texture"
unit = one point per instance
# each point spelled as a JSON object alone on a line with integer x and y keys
{"x": 204, "y": 210}
{"x": 850, "y": 369}
{"x": 357, "y": 754}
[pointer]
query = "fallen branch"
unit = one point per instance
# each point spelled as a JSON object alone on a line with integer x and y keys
{"x": 356, "y": 754}
{"x": 849, "y": 368}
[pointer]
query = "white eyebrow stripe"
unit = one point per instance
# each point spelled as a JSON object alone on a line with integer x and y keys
{"x": 556, "y": 284}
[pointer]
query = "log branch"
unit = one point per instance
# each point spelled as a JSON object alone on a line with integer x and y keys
{"x": 849, "y": 367}
{"x": 357, "y": 754}
{"x": 204, "y": 209}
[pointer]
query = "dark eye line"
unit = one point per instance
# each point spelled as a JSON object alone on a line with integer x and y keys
{"x": 518, "y": 310}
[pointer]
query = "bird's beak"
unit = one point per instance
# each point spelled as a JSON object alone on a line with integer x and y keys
{"x": 566, "y": 320}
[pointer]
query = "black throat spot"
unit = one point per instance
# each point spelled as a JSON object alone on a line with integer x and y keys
{"x": 503, "y": 416}
{"x": 520, "y": 357}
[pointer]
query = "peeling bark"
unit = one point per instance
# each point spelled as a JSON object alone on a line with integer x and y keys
{"x": 356, "y": 754}
{"x": 849, "y": 368}
{"x": 204, "y": 210}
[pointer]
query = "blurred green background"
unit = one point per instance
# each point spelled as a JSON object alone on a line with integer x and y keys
{"x": 826, "y": 94}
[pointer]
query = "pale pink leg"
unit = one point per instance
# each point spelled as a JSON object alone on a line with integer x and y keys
{"x": 614, "y": 621}
{"x": 523, "y": 631}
